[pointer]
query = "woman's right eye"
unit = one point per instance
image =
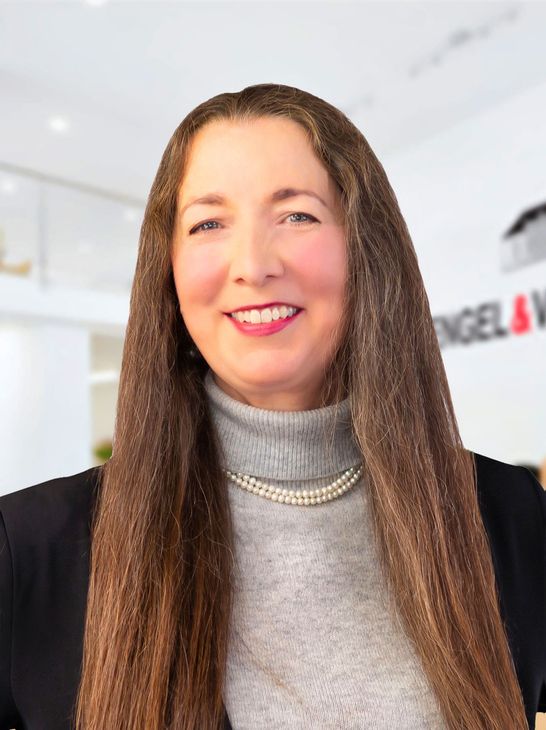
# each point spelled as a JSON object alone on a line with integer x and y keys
{"x": 200, "y": 226}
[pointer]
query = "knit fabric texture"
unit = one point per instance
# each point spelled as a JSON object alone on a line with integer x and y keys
{"x": 315, "y": 640}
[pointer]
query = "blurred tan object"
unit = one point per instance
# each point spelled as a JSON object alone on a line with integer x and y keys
{"x": 19, "y": 269}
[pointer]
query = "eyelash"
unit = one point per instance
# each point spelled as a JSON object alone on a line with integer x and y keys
{"x": 311, "y": 218}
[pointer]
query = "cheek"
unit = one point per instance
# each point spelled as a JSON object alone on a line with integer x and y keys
{"x": 196, "y": 277}
{"x": 322, "y": 266}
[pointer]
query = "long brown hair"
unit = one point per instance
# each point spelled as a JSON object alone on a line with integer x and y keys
{"x": 160, "y": 589}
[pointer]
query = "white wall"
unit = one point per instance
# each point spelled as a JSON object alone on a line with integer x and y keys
{"x": 459, "y": 192}
{"x": 45, "y": 402}
{"x": 51, "y": 415}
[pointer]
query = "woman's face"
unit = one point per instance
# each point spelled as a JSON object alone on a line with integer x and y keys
{"x": 251, "y": 245}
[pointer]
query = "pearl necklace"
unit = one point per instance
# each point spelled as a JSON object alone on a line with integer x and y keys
{"x": 305, "y": 497}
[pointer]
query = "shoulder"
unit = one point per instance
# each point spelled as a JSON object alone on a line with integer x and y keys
{"x": 57, "y": 509}
{"x": 510, "y": 494}
{"x": 513, "y": 508}
{"x": 44, "y": 570}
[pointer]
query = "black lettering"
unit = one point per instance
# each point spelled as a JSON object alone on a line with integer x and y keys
{"x": 539, "y": 304}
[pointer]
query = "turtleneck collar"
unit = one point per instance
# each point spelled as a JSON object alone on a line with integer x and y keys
{"x": 282, "y": 445}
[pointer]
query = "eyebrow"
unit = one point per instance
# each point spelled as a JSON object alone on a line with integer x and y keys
{"x": 278, "y": 195}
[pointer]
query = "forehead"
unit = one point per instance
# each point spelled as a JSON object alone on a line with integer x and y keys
{"x": 272, "y": 150}
{"x": 267, "y": 130}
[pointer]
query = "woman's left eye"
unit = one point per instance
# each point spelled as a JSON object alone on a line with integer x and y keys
{"x": 306, "y": 215}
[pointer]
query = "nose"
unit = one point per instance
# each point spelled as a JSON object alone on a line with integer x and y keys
{"x": 254, "y": 256}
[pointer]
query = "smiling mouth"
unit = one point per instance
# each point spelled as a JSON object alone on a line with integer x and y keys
{"x": 264, "y": 327}
{"x": 250, "y": 312}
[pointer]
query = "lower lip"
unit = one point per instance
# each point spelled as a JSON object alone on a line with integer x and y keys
{"x": 265, "y": 328}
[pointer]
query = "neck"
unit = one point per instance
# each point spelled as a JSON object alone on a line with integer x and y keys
{"x": 282, "y": 445}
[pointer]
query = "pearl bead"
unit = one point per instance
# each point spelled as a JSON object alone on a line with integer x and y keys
{"x": 304, "y": 497}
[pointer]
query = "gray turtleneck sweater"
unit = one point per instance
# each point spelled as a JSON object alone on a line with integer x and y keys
{"x": 314, "y": 642}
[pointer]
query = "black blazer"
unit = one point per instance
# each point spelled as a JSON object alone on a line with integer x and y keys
{"x": 44, "y": 562}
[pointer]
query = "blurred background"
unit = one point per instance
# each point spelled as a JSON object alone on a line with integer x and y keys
{"x": 450, "y": 95}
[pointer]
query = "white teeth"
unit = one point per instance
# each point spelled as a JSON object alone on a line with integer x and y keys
{"x": 256, "y": 316}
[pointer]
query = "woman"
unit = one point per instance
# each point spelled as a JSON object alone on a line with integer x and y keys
{"x": 290, "y": 533}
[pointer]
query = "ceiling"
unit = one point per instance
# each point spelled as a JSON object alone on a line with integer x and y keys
{"x": 124, "y": 74}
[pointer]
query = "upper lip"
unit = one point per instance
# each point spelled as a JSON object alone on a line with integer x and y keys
{"x": 261, "y": 306}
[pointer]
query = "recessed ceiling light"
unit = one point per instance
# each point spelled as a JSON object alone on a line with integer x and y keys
{"x": 59, "y": 124}
{"x": 96, "y": 2}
